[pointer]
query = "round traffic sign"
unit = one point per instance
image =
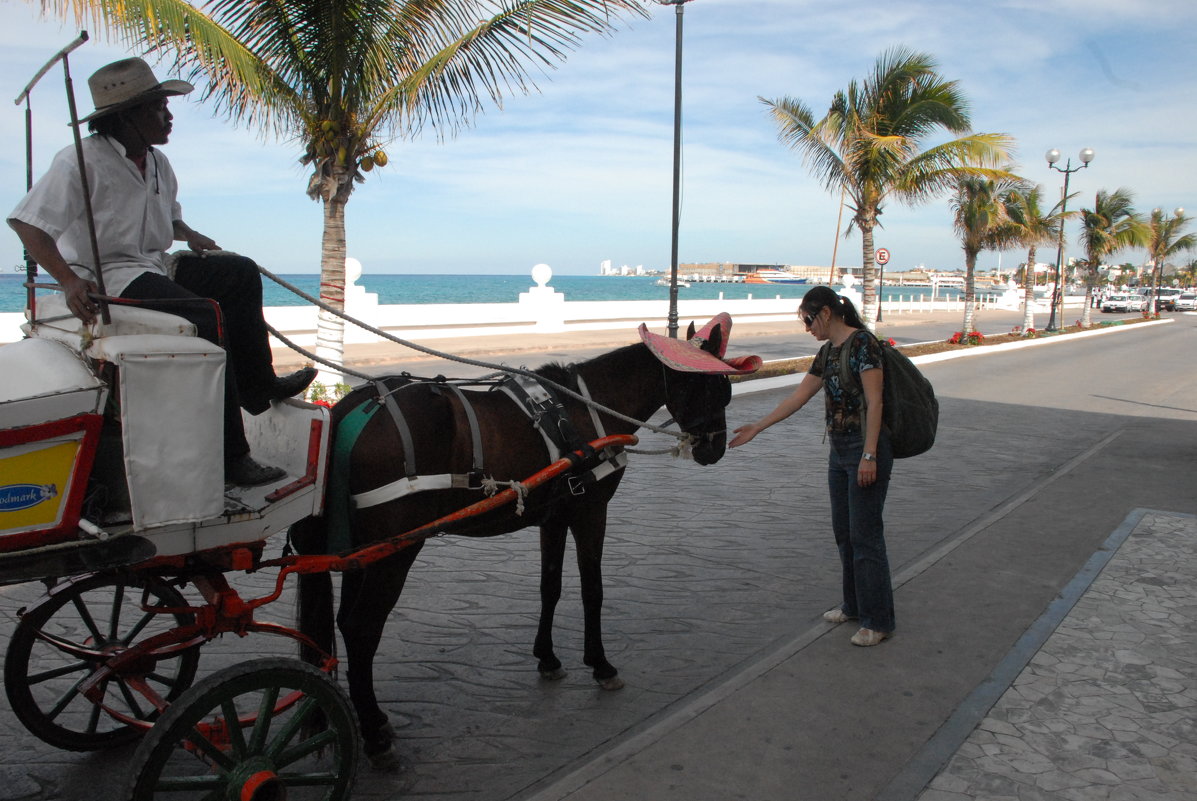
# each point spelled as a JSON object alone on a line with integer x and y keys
{"x": 882, "y": 255}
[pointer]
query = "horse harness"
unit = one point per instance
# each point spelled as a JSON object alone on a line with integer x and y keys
{"x": 541, "y": 405}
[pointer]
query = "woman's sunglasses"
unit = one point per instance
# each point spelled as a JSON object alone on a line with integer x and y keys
{"x": 809, "y": 318}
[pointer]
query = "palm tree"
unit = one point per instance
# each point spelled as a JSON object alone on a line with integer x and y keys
{"x": 1031, "y": 227}
{"x": 870, "y": 144}
{"x": 1108, "y": 227}
{"x": 1165, "y": 240}
{"x": 343, "y": 77}
{"x": 979, "y": 218}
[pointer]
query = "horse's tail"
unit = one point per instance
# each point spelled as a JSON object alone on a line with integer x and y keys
{"x": 315, "y": 605}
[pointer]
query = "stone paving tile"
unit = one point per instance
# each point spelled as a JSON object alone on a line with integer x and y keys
{"x": 1105, "y": 709}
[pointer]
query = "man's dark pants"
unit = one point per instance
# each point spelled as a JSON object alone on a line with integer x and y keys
{"x": 234, "y": 283}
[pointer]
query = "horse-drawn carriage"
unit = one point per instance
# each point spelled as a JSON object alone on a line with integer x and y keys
{"x": 112, "y": 493}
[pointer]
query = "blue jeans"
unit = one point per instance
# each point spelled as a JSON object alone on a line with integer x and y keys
{"x": 860, "y": 532}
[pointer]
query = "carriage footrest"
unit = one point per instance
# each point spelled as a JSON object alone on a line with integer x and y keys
{"x": 74, "y": 558}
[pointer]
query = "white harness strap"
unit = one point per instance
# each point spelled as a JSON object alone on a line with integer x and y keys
{"x": 538, "y": 396}
{"x": 407, "y": 486}
{"x": 612, "y": 459}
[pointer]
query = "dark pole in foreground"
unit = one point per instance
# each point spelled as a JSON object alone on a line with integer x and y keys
{"x": 677, "y": 163}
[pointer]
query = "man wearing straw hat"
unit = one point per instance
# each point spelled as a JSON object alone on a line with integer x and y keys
{"x": 137, "y": 219}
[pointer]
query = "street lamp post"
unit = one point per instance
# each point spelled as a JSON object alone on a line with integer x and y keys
{"x": 1158, "y": 270}
{"x": 677, "y": 163}
{"x": 1052, "y": 157}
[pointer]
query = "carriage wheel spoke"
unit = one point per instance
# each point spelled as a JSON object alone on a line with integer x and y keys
{"x": 138, "y": 627}
{"x": 292, "y": 727}
{"x": 302, "y": 749}
{"x": 38, "y": 678}
{"x": 93, "y": 719}
{"x": 210, "y": 750}
{"x": 257, "y": 740}
{"x": 63, "y": 701}
{"x": 85, "y": 616}
{"x": 131, "y": 699}
{"x": 118, "y": 602}
{"x": 236, "y": 735}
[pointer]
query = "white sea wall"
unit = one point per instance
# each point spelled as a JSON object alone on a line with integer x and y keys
{"x": 425, "y": 321}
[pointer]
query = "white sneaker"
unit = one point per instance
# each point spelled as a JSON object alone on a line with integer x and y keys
{"x": 836, "y": 616}
{"x": 867, "y": 638}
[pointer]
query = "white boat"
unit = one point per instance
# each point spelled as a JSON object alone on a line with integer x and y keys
{"x": 774, "y": 276}
{"x": 680, "y": 283}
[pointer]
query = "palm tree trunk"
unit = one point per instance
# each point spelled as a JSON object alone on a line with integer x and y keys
{"x": 1028, "y": 293}
{"x": 868, "y": 312}
{"x": 330, "y": 329}
{"x": 1090, "y": 280}
{"x": 970, "y": 291}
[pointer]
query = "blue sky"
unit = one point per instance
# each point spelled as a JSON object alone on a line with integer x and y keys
{"x": 581, "y": 171}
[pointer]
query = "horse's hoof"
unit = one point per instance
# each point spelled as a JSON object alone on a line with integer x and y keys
{"x": 379, "y": 747}
{"x": 553, "y": 675}
{"x": 387, "y": 761}
{"x": 613, "y": 683}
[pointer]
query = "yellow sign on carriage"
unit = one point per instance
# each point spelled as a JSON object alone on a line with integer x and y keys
{"x": 34, "y": 484}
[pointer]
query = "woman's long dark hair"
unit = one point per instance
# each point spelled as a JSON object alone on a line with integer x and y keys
{"x": 823, "y": 297}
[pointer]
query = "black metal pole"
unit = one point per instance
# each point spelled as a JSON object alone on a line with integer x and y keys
{"x": 1058, "y": 292}
{"x": 677, "y": 169}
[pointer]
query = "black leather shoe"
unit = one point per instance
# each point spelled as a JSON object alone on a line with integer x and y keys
{"x": 243, "y": 471}
{"x": 288, "y": 386}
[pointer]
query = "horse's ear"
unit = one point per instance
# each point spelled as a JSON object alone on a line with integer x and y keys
{"x": 715, "y": 344}
{"x": 690, "y": 332}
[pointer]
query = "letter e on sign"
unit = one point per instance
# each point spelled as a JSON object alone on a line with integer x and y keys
{"x": 882, "y": 255}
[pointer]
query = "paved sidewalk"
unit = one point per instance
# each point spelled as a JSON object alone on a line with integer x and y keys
{"x": 1107, "y": 706}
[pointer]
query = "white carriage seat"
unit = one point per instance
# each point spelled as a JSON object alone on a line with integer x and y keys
{"x": 171, "y": 391}
{"x": 55, "y": 321}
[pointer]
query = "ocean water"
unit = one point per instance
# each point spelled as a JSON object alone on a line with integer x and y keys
{"x": 435, "y": 288}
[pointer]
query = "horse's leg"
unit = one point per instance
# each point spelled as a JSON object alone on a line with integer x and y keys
{"x": 367, "y": 598}
{"x": 589, "y": 530}
{"x": 552, "y": 558}
{"x": 314, "y": 616}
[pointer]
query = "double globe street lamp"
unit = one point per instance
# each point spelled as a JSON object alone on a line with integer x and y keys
{"x": 1052, "y": 157}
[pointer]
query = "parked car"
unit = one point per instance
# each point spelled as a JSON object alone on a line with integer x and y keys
{"x": 1124, "y": 303}
{"x": 1166, "y": 300}
{"x": 1185, "y": 301}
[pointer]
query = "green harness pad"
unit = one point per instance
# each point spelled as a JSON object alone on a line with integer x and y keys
{"x": 336, "y": 501}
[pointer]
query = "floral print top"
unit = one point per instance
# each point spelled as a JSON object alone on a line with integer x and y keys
{"x": 845, "y": 409}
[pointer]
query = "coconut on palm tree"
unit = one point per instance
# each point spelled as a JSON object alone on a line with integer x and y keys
{"x": 1108, "y": 227}
{"x": 979, "y": 217}
{"x": 344, "y": 78}
{"x": 1165, "y": 240}
{"x": 872, "y": 144}
{"x": 1030, "y": 226}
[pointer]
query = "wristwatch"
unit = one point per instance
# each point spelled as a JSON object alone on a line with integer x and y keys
{"x": 869, "y": 457}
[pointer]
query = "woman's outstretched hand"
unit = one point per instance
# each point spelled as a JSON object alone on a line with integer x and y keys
{"x": 743, "y": 435}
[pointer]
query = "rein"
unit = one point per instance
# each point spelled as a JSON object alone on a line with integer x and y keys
{"x": 686, "y": 440}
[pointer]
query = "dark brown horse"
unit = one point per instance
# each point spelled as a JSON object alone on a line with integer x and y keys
{"x": 633, "y": 381}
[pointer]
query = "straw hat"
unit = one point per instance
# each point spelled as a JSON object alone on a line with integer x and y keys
{"x": 128, "y": 82}
{"x": 688, "y": 356}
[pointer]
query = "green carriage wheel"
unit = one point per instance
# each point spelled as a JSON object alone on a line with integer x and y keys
{"x": 61, "y": 642}
{"x": 261, "y": 730}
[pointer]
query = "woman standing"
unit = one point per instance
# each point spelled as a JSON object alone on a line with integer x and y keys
{"x": 858, "y": 468}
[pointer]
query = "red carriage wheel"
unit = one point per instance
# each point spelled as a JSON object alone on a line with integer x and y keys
{"x": 74, "y": 631}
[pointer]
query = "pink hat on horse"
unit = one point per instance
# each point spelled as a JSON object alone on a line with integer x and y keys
{"x": 690, "y": 355}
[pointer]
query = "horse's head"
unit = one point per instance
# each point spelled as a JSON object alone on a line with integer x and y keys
{"x": 697, "y": 389}
{"x": 697, "y": 403}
